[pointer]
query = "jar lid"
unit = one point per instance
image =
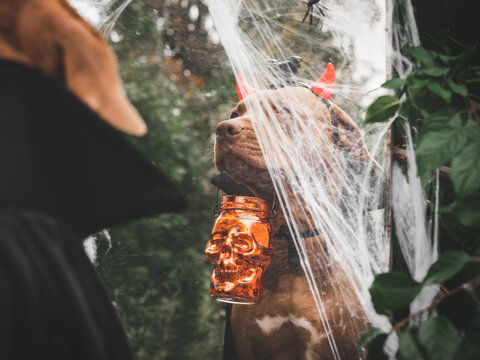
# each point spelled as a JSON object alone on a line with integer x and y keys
{"x": 236, "y": 202}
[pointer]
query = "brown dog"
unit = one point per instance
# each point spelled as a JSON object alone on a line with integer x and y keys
{"x": 286, "y": 324}
{"x": 51, "y": 36}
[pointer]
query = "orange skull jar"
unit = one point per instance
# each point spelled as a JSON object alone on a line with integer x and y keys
{"x": 240, "y": 249}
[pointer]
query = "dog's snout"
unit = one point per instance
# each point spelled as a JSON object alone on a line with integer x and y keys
{"x": 229, "y": 128}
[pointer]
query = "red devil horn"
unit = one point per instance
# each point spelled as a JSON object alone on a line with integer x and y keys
{"x": 323, "y": 87}
{"x": 243, "y": 90}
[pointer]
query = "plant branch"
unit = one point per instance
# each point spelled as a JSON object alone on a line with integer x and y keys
{"x": 472, "y": 283}
{"x": 474, "y": 109}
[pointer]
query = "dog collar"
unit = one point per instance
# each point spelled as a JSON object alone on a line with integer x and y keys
{"x": 293, "y": 255}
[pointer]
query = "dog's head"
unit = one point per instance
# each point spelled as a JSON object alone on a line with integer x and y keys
{"x": 51, "y": 36}
{"x": 238, "y": 152}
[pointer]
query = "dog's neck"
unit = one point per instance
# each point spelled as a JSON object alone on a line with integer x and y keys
{"x": 263, "y": 189}
{"x": 278, "y": 221}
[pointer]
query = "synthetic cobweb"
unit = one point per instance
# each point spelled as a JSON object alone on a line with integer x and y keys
{"x": 320, "y": 186}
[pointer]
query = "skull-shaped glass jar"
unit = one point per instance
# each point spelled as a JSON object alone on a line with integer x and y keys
{"x": 240, "y": 248}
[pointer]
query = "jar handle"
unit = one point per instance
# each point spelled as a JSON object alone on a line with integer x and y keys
{"x": 215, "y": 211}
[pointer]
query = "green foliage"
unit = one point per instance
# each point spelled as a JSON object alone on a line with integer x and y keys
{"x": 393, "y": 290}
{"x": 469, "y": 214}
{"x": 447, "y": 265}
{"x": 375, "y": 348}
{"x": 394, "y": 84}
{"x": 408, "y": 348}
{"x": 382, "y": 109}
{"x": 438, "y": 337}
{"x": 466, "y": 170}
{"x": 440, "y": 100}
{"x": 435, "y": 339}
{"x": 443, "y": 138}
{"x": 368, "y": 336}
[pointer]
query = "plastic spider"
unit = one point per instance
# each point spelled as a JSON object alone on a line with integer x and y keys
{"x": 311, "y": 6}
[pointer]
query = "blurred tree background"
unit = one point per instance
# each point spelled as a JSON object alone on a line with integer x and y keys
{"x": 155, "y": 270}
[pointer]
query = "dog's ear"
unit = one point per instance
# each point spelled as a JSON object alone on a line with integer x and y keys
{"x": 352, "y": 139}
{"x": 66, "y": 47}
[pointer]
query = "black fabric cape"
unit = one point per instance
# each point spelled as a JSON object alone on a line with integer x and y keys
{"x": 64, "y": 174}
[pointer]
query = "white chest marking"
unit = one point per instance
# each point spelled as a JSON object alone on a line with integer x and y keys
{"x": 301, "y": 322}
{"x": 269, "y": 324}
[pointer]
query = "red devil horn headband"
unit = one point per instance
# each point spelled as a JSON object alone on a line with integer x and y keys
{"x": 322, "y": 87}
{"x": 243, "y": 90}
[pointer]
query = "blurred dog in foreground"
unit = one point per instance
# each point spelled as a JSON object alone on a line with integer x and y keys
{"x": 51, "y": 36}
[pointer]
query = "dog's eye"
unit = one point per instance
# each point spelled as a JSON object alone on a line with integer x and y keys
{"x": 233, "y": 115}
{"x": 281, "y": 109}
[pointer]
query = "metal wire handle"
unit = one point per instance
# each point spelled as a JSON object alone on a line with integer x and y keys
{"x": 215, "y": 211}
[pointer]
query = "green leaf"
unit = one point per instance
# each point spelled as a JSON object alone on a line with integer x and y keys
{"x": 435, "y": 148}
{"x": 441, "y": 120}
{"x": 465, "y": 170}
{"x": 423, "y": 57}
{"x": 451, "y": 208}
{"x": 375, "y": 348}
{"x": 408, "y": 348}
{"x": 474, "y": 132}
{"x": 408, "y": 110}
{"x": 447, "y": 265}
{"x": 367, "y": 336}
{"x": 464, "y": 58}
{"x": 469, "y": 215}
{"x": 427, "y": 178}
{"x": 460, "y": 89}
{"x": 433, "y": 71}
{"x": 382, "y": 109}
{"x": 474, "y": 80}
{"x": 438, "y": 89}
{"x": 395, "y": 83}
{"x": 447, "y": 58}
{"x": 438, "y": 337}
{"x": 393, "y": 290}
{"x": 417, "y": 83}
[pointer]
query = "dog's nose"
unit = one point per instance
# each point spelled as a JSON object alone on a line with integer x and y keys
{"x": 229, "y": 128}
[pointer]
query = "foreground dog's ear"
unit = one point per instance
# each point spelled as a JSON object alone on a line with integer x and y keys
{"x": 352, "y": 139}
{"x": 61, "y": 43}
{"x": 11, "y": 53}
